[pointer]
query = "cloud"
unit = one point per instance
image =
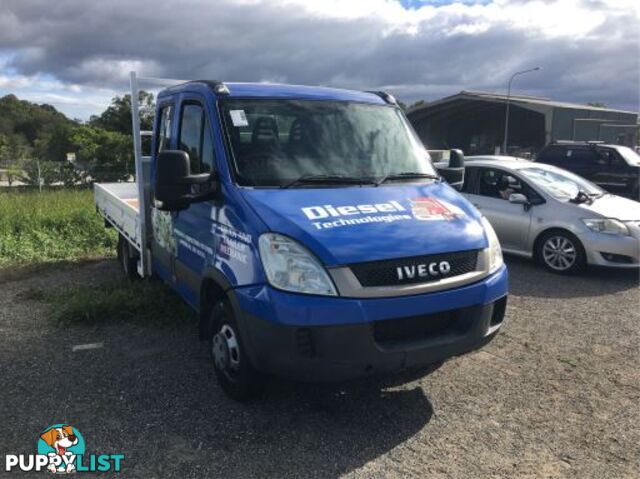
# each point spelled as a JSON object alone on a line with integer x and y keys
{"x": 588, "y": 48}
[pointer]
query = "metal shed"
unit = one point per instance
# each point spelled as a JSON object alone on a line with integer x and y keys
{"x": 474, "y": 122}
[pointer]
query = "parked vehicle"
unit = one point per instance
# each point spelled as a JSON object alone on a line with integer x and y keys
{"x": 552, "y": 215}
{"x": 613, "y": 167}
{"x": 309, "y": 229}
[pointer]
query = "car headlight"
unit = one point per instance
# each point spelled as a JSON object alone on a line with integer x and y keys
{"x": 291, "y": 267}
{"x": 495, "y": 251}
{"x": 607, "y": 226}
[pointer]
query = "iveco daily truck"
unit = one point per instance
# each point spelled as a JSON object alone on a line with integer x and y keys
{"x": 310, "y": 231}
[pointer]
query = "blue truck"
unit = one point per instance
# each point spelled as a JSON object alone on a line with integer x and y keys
{"x": 309, "y": 230}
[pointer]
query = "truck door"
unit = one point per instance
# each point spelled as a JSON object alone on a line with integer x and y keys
{"x": 195, "y": 239}
{"x": 163, "y": 244}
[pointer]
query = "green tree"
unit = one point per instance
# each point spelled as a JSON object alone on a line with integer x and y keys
{"x": 13, "y": 173}
{"x": 104, "y": 155}
{"x": 35, "y": 172}
{"x": 597, "y": 104}
{"x": 117, "y": 117}
{"x": 53, "y": 145}
{"x": 417, "y": 104}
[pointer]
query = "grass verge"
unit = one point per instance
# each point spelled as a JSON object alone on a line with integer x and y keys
{"x": 55, "y": 225}
{"x": 122, "y": 300}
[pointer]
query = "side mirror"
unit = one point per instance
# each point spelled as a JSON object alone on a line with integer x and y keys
{"x": 173, "y": 181}
{"x": 518, "y": 199}
{"x": 454, "y": 173}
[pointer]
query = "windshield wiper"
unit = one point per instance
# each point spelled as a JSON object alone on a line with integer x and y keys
{"x": 406, "y": 175}
{"x": 327, "y": 180}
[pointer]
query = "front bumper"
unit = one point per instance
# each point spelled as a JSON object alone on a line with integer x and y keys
{"x": 331, "y": 339}
{"x": 600, "y": 247}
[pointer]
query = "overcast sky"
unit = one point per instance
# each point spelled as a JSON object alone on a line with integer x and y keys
{"x": 77, "y": 54}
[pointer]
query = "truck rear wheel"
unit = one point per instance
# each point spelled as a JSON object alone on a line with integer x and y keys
{"x": 235, "y": 373}
{"x": 128, "y": 262}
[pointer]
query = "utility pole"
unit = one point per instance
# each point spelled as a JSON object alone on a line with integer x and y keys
{"x": 506, "y": 118}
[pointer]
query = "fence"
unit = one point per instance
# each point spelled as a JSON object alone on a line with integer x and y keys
{"x": 38, "y": 174}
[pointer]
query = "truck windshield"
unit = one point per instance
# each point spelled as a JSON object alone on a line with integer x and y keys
{"x": 278, "y": 143}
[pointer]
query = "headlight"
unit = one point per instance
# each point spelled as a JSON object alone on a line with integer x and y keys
{"x": 607, "y": 226}
{"x": 291, "y": 267}
{"x": 495, "y": 251}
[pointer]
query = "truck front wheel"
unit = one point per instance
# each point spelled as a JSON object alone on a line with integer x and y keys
{"x": 235, "y": 373}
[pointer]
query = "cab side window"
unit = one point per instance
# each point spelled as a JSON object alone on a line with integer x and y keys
{"x": 164, "y": 128}
{"x": 195, "y": 138}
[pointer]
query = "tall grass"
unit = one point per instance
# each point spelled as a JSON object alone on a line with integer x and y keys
{"x": 54, "y": 225}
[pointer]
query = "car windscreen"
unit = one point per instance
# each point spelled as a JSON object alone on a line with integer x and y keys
{"x": 558, "y": 183}
{"x": 277, "y": 142}
{"x": 630, "y": 156}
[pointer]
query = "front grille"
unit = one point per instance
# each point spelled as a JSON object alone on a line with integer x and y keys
{"x": 385, "y": 273}
{"x": 415, "y": 328}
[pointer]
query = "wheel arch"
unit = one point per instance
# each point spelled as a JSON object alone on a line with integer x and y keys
{"x": 213, "y": 287}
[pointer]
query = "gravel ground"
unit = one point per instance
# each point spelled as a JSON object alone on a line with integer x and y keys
{"x": 556, "y": 394}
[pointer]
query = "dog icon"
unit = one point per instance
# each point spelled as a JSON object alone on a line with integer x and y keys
{"x": 60, "y": 438}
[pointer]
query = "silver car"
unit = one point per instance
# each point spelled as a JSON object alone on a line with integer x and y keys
{"x": 552, "y": 215}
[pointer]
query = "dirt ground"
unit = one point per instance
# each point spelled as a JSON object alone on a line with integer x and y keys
{"x": 557, "y": 394}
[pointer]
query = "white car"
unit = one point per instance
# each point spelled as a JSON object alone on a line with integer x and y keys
{"x": 552, "y": 215}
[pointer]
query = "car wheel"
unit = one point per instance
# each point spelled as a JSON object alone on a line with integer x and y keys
{"x": 561, "y": 252}
{"x": 235, "y": 373}
{"x": 128, "y": 262}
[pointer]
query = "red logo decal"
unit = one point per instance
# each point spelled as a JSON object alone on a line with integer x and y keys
{"x": 431, "y": 209}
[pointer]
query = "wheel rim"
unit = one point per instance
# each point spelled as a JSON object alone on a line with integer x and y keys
{"x": 559, "y": 253}
{"x": 226, "y": 350}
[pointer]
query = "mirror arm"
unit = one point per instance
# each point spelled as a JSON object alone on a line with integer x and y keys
{"x": 194, "y": 179}
{"x": 208, "y": 195}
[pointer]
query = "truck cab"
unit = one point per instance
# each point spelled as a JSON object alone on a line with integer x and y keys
{"x": 313, "y": 235}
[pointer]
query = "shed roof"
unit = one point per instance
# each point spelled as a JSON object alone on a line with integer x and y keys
{"x": 515, "y": 98}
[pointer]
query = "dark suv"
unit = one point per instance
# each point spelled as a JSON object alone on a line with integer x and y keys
{"x": 613, "y": 167}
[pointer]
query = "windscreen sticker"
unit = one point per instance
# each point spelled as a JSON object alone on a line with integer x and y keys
{"x": 422, "y": 209}
{"x": 238, "y": 118}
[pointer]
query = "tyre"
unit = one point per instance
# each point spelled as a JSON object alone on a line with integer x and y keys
{"x": 235, "y": 373}
{"x": 128, "y": 262}
{"x": 561, "y": 252}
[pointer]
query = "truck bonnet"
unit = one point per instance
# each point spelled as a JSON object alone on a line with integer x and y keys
{"x": 357, "y": 224}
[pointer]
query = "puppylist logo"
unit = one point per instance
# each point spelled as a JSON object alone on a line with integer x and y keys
{"x": 61, "y": 450}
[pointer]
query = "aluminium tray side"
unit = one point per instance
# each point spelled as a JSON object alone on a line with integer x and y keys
{"x": 118, "y": 204}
